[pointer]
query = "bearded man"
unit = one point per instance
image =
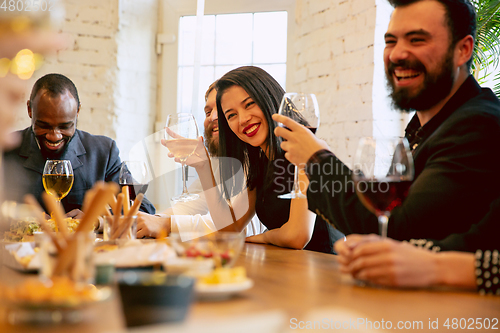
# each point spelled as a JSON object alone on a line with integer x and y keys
{"x": 53, "y": 107}
{"x": 454, "y": 135}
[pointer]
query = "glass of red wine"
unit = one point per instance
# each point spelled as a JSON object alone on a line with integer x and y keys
{"x": 135, "y": 175}
{"x": 383, "y": 172}
{"x": 303, "y": 108}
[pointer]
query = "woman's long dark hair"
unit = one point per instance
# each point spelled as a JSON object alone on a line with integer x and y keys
{"x": 267, "y": 94}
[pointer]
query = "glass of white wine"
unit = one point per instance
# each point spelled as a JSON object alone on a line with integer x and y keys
{"x": 181, "y": 135}
{"x": 58, "y": 178}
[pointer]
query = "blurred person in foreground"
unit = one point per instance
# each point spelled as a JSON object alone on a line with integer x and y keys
{"x": 24, "y": 38}
{"x": 192, "y": 215}
{"x": 53, "y": 107}
{"x": 454, "y": 135}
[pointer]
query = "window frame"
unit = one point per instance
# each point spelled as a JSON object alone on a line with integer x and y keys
{"x": 173, "y": 10}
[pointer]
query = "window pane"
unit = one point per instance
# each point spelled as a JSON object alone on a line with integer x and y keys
{"x": 187, "y": 28}
{"x": 185, "y": 98}
{"x": 277, "y": 71}
{"x": 187, "y": 36}
{"x": 208, "y": 40}
{"x": 233, "y": 39}
{"x": 270, "y": 37}
{"x": 221, "y": 70}
{"x": 185, "y": 90}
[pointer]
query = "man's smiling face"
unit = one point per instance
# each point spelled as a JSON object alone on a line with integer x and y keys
{"x": 53, "y": 120}
{"x": 418, "y": 56}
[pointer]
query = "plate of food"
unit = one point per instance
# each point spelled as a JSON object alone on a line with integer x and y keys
{"x": 55, "y": 293}
{"x": 55, "y": 300}
{"x": 223, "y": 283}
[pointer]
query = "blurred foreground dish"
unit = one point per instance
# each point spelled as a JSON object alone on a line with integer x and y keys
{"x": 55, "y": 292}
{"x": 23, "y": 231}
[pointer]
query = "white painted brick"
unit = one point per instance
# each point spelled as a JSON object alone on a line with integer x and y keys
{"x": 87, "y": 57}
{"x": 95, "y": 43}
{"x": 360, "y": 6}
{"x": 94, "y": 14}
{"x": 343, "y": 11}
{"x": 359, "y": 41}
{"x": 86, "y": 29}
{"x": 319, "y": 6}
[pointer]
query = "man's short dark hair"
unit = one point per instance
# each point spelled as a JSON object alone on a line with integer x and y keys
{"x": 460, "y": 17}
{"x": 55, "y": 84}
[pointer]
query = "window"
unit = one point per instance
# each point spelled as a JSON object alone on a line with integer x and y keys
{"x": 229, "y": 41}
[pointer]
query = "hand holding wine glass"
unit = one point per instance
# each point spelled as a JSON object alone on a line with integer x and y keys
{"x": 58, "y": 178}
{"x": 383, "y": 172}
{"x": 302, "y": 108}
{"x": 135, "y": 175}
{"x": 181, "y": 138}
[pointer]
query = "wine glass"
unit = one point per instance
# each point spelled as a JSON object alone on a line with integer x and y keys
{"x": 383, "y": 172}
{"x": 135, "y": 175}
{"x": 181, "y": 135}
{"x": 303, "y": 108}
{"x": 57, "y": 178}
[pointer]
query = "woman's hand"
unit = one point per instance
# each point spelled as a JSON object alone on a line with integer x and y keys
{"x": 300, "y": 142}
{"x": 152, "y": 225}
{"x": 197, "y": 159}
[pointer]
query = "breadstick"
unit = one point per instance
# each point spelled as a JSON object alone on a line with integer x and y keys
{"x": 129, "y": 217}
{"x": 126, "y": 200}
{"x": 30, "y": 200}
{"x": 118, "y": 213}
{"x": 95, "y": 209}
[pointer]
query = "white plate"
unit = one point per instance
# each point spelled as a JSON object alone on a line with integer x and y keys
{"x": 222, "y": 290}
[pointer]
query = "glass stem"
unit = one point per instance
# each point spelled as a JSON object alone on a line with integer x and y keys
{"x": 296, "y": 187}
{"x": 184, "y": 187}
{"x": 382, "y": 225}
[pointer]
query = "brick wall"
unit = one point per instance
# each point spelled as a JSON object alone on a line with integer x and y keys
{"x": 337, "y": 51}
{"x": 111, "y": 59}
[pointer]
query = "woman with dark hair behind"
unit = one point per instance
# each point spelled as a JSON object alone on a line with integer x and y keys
{"x": 247, "y": 97}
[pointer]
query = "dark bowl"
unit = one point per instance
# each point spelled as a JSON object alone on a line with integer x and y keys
{"x": 154, "y": 297}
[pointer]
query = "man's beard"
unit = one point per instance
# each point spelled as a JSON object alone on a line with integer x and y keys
{"x": 436, "y": 85}
{"x": 211, "y": 143}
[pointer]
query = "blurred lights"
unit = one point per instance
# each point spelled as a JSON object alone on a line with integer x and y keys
{"x": 24, "y": 64}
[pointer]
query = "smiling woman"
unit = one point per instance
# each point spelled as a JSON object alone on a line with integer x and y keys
{"x": 247, "y": 97}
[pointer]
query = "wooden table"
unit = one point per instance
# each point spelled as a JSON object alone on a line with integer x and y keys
{"x": 306, "y": 286}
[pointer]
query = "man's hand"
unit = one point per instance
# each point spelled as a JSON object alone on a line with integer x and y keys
{"x": 75, "y": 213}
{"x": 300, "y": 142}
{"x": 151, "y": 225}
{"x": 386, "y": 262}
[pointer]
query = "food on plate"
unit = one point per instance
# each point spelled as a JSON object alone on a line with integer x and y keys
{"x": 195, "y": 252}
{"x": 57, "y": 291}
{"x": 25, "y": 260}
{"x": 105, "y": 248}
{"x": 225, "y": 275}
{"x": 23, "y": 231}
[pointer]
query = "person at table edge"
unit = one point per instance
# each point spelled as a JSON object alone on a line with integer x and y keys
{"x": 54, "y": 107}
{"x": 454, "y": 135}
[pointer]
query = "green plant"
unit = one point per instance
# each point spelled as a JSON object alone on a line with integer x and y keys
{"x": 487, "y": 48}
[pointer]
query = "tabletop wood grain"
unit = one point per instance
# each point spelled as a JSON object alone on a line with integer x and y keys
{"x": 299, "y": 284}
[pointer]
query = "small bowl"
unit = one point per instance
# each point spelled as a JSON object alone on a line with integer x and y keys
{"x": 222, "y": 247}
{"x": 154, "y": 297}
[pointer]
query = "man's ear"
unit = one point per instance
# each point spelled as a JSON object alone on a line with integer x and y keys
{"x": 30, "y": 112}
{"x": 464, "y": 50}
